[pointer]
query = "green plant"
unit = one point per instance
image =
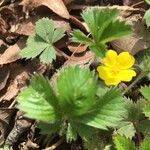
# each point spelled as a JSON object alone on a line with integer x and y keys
{"x": 104, "y": 27}
{"x": 147, "y": 14}
{"x": 74, "y": 108}
{"x": 41, "y": 43}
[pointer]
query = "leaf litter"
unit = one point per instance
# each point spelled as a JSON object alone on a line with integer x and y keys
{"x": 17, "y": 22}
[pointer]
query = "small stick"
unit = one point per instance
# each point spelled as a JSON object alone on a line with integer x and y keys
{"x": 54, "y": 146}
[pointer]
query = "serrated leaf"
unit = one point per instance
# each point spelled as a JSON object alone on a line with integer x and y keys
{"x": 81, "y": 84}
{"x": 127, "y": 130}
{"x": 58, "y": 34}
{"x": 45, "y": 29}
{"x": 48, "y": 55}
{"x": 37, "y": 45}
{"x": 109, "y": 111}
{"x": 99, "y": 49}
{"x": 104, "y": 27}
{"x": 146, "y": 92}
{"x": 123, "y": 143}
{"x": 146, "y": 110}
{"x": 144, "y": 126}
{"x": 145, "y": 145}
{"x": 41, "y": 43}
{"x": 98, "y": 19}
{"x": 80, "y": 37}
{"x": 115, "y": 31}
{"x": 147, "y": 17}
{"x": 38, "y": 101}
{"x": 143, "y": 59}
{"x": 71, "y": 134}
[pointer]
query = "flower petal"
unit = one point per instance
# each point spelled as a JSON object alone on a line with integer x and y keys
{"x": 112, "y": 81}
{"x": 105, "y": 73}
{"x": 126, "y": 75}
{"x": 110, "y": 59}
{"x": 125, "y": 60}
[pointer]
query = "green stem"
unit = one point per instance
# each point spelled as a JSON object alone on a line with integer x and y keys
{"x": 139, "y": 77}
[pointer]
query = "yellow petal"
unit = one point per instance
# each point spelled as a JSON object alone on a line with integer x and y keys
{"x": 110, "y": 59}
{"x": 106, "y": 74}
{"x": 112, "y": 81}
{"x": 125, "y": 60}
{"x": 126, "y": 75}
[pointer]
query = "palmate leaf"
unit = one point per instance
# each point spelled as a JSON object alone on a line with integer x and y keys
{"x": 147, "y": 17}
{"x": 143, "y": 59}
{"x": 115, "y": 30}
{"x": 38, "y": 101}
{"x": 77, "y": 88}
{"x": 104, "y": 27}
{"x": 123, "y": 143}
{"x": 41, "y": 43}
{"x": 146, "y": 92}
{"x": 108, "y": 112}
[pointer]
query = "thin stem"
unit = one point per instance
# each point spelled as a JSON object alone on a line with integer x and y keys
{"x": 139, "y": 77}
{"x": 54, "y": 146}
{"x": 139, "y": 138}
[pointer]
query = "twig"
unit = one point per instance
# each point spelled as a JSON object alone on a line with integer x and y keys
{"x": 135, "y": 5}
{"x": 54, "y": 146}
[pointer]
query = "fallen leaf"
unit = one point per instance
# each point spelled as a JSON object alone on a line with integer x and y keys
{"x": 4, "y": 75}
{"x": 136, "y": 42}
{"x": 12, "y": 53}
{"x": 28, "y": 26}
{"x": 5, "y": 117}
{"x": 77, "y": 48}
{"x": 57, "y": 6}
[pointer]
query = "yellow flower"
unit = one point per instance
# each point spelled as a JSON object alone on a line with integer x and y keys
{"x": 116, "y": 68}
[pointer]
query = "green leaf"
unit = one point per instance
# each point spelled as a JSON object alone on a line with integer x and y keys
{"x": 145, "y": 145}
{"x": 37, "y": 45}
{"x": 58, "y": 34}
{"x": 48, "y": 55}
{"x": 80, "y": 37}
{"x": 41, "y": 42}
{"x": 71, "y": 133}
{"x": 127, "y": 129}
{"x": 99, "y": 19}
{"x": 108, "y": 112}
{"x": 115, "y": 31}
{"x": 144, "y": 126}
{"x": 49, "y": 129}
{"x": 77, "y": 96}
{"x": 146, "y": 110}
{"x": 104, "y": 27}
{"x": 45, "y": 29}
{"x": 146, "y": 92}
{"x": 123, "y": 143}
{"x": 38, "y": 101}
{"x": 143, "y": 59}
{"x": 148, "y": 1}
{"x": 147, "y": 17}
{"x": 99, "y": 49}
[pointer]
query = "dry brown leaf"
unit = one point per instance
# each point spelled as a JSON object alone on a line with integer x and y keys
{"x": 28, "y": 26}
{"x": 57, "y": 6}
{"x": 77, "y": 48}
{"x": 12, "y": 53}
{"x": 5, "y": 116}
{"x": 136, "y": 42}
{"x": 4, "y": 75}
